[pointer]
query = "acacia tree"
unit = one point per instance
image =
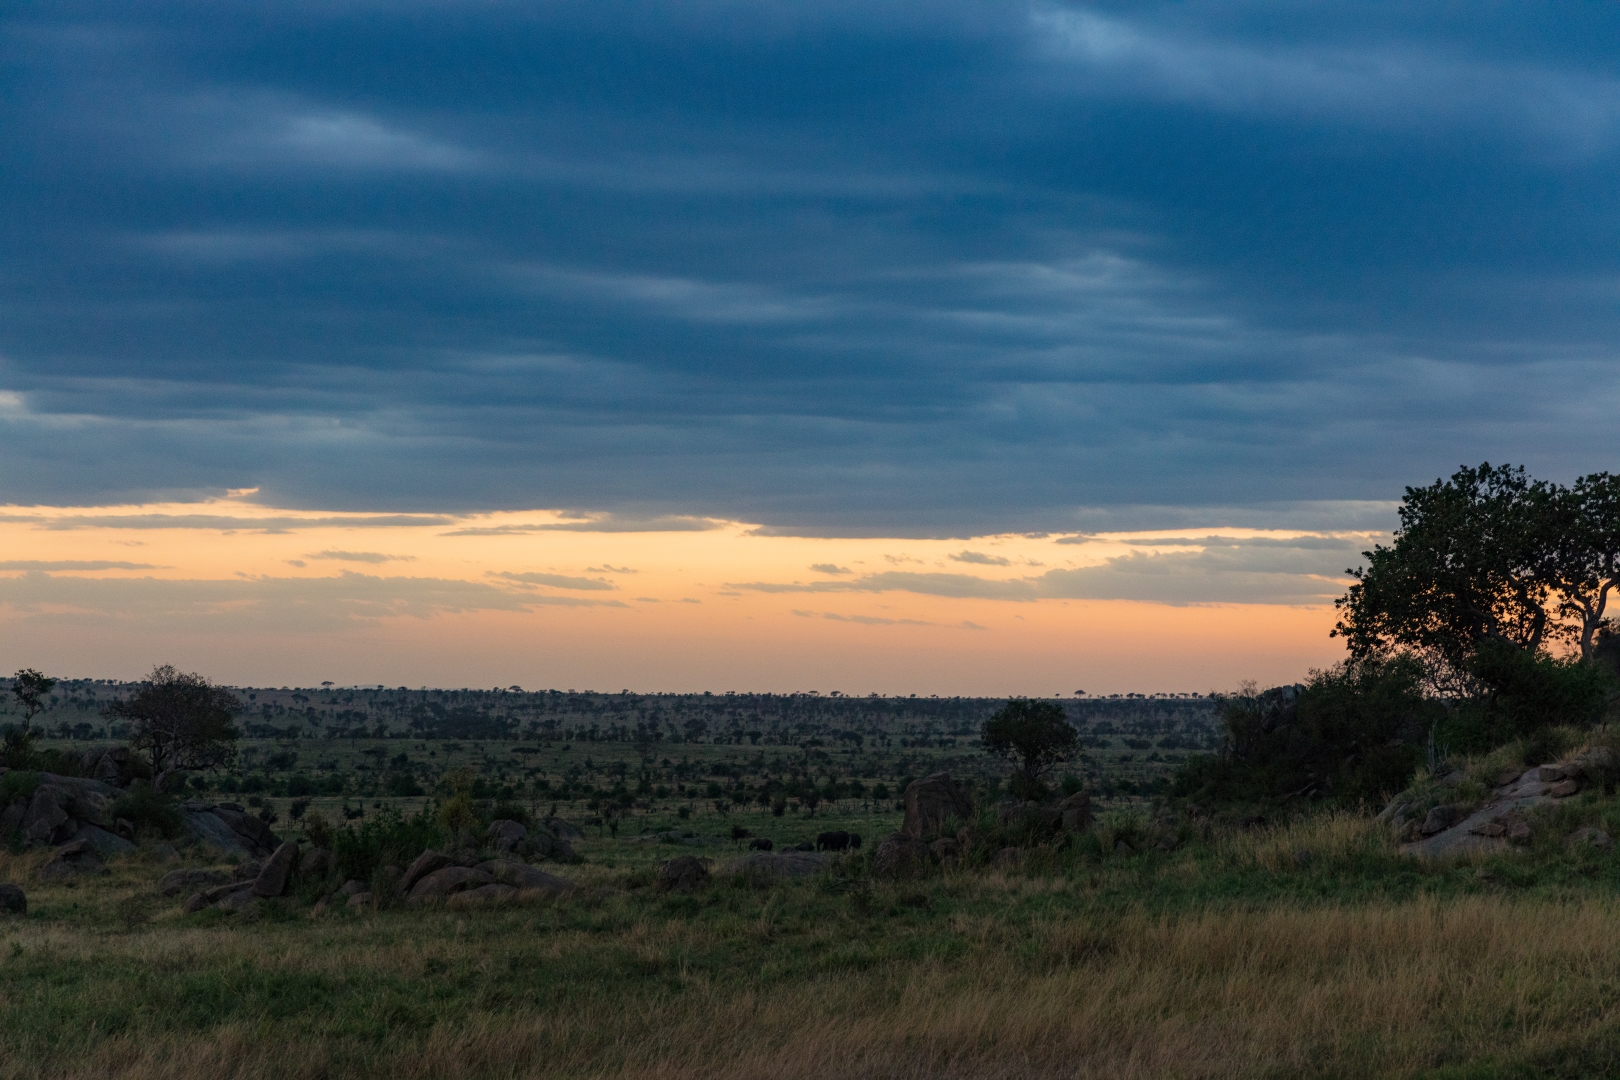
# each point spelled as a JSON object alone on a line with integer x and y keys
{"x": 180, "y": 721}
{"x": 1474, "y": 560}
{"x": 1035, "y": 734}
{"x": 30, "y": 687}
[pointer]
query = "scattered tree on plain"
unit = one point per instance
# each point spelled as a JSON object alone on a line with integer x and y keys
{"x": 179, "y": 721}
{"x": 30, "y": 687}
{"x": 1036, "y": 735}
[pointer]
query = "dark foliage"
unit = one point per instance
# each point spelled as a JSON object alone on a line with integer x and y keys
{"x": 388, "y": 839}
{"x": 1355, "y": 732}
{"x": 1523, "y": 693}
{"x": 179, "y": 721}
{"x": 1035, "y": 734}
{"x": 146, "y": 807}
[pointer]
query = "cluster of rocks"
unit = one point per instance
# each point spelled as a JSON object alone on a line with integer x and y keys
{"x": 933, "y": 801}
{"x": 1456, "y": 828}
{"x": 249, "y": 882}
{"x": 463, "y": 880}
{"x": 551, "y": 839}
{"x": 67, "y": 810}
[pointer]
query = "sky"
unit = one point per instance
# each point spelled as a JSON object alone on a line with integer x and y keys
{"x": 336, "y": 338}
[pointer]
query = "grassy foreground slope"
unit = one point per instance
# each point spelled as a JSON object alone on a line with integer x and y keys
{"x": 1231, "y": 955}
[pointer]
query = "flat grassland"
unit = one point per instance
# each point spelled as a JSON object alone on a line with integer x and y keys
{"x": 1228, "y": 956}
{"x": 1157, "y": 947}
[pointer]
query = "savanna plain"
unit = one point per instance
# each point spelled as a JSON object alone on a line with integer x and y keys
{"x": 1164, "y": 931}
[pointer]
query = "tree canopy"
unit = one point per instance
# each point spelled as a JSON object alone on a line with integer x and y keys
{"x": 180, "y": 721}
{"x": 29, "y": 687}
{"x": 1490, "y": 555}
{"x": 1035, "y": 734}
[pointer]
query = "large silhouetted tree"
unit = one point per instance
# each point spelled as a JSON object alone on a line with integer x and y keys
{"x": 180, "y": 721}
{"x": 1035, "y": 734}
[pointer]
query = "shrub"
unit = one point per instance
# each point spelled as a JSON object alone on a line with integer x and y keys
{"x": 1523, "y": 693}
{"x": 145, "y": 807}
{"x": 387, "y": 839}
{"x": 318, "y": 829}
{"x": 1354, "y": 732}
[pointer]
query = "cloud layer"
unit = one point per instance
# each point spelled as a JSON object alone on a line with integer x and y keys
{"x": 837, "y": 269}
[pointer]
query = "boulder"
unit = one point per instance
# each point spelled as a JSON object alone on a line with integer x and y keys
{"x": 766, "y": 867}
{"x": 685, "y": 873}
{"x": 272, "y": 879}
{"x": 11, "y": 818}
{"x": 316, "y": 862}
{"x": 71, "y": 866}
{"x": 240, "y": 900}
{"x": 424, "y": 864}
{"x": 359, "y": 901}
{"x": 104, "y": 842}
{"x": 254, "y": 832}
{"x": 1591, "y": 837}
{"x": 47, "y": 821}
{"x": 563, "y": 830}
{"x": 507, "y": 834}
{"x": 13, "y": 901}
{"x": 523, "y": 876}
{"x": 1519, "y": 832}
{"x": 204, "y": 828}
{"x": 125, "y": 828}
{"x": 194, "y": 903}
{"x": 540, "y": 845}
{"x": 176, "y": 882}
{"x": 900, "y": 855}
{"x": 1489, "y": 828}
{"x": 1563, "y": 789}
{"x": 1076, "y": 810}
{"x": 1549, "y": 774}
{"x": 247, "y": 871}
{"x": 1440, "y": 818}
{"x": 484, "y": 894}
{"x": 445, "y": 882}
{"x": 930, "y": 802}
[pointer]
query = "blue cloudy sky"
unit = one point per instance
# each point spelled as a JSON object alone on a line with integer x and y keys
{"x": 836, "y": 269}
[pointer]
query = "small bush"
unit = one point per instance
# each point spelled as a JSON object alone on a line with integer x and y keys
{"x": 318, "y": 829}
{"x": 145, "y": 807}
{"x": 388, "y": 839}
{"x": 17, "y": 784}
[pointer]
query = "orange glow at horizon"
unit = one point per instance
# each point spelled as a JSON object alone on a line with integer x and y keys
{"x": 257, "y": 595}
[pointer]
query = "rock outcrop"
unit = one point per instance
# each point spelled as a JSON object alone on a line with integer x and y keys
{"x": 685, "y": 874}
{"x": 931, "y": 802}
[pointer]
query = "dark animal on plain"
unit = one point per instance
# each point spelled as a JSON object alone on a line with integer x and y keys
{"x": 805, "y": 846}
{"x": 833, "y": 841}
{"x": 854, "y": 840}
{"x": 762, "y": 844}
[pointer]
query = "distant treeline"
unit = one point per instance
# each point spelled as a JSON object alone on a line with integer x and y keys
{"x": 738, "y": 719}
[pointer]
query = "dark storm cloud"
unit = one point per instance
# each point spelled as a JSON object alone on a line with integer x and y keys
{"x": 836, "y": 269}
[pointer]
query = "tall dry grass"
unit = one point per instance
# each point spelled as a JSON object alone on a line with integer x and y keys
{"x": 1372, "y": 991}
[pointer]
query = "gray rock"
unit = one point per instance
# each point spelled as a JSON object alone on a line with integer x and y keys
{"x": 1439, "y": 819}
{"x": 445, "y": 882}
{"x": 930, "y": 802}
{"x": 316, "y": 861}
{"x": 72, "y": 866}
{"x": 240, "y": 900}
{"x": 1466, "y": 836}
{"x": 507, "y": 834}
{"x": 11, "y": 818}
{"x": 176, "y": 882}
{"x": 13, "y": 901}
{"x": 272, "y": 880}
{"x": 484, "y": 894}
{"x": 523, "y": 876}
{"x": 563, "y": 830}
{"x": 426, "y": 863}
{"x": 1596, "y": 838}
{"x": 47, "y": 821}
{"x": 105, "y": 843}
{"x": 685, "y": 873}
{"x": 204, "y": 828}
{"x": 255, "y": 834}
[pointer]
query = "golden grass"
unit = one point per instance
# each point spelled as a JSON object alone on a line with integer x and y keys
{"x": 1386, "y": 990}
